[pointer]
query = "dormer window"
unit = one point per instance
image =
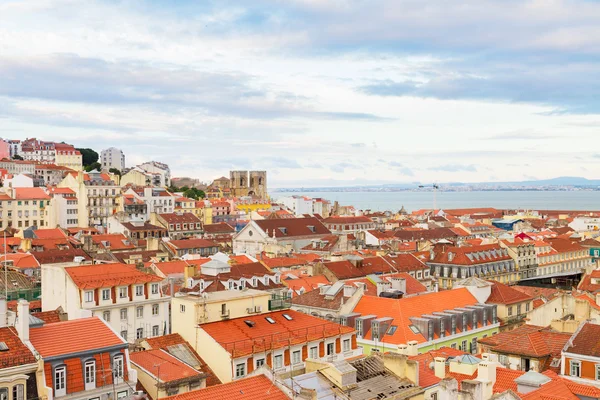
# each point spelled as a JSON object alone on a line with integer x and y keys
{"x": 283, "y": 230}
{"x": 122, "y": 292}
{"x": 139, "y": 290}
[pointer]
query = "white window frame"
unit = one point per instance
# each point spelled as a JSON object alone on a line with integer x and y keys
{"x": 20, "y": 392}
{"x": 105, "y": 294}
{"x": 118, "y": 369}
{"x": 106, "y": 316}
{"x": 59, "y": 378}
{"x": 89, "y": 375}
{"x": 121, "y": 312}
{"x": 313, "y": 352}
{"x": 155, "y": 309}
{"x": 572, "y": 364}
{"x": 155, "y": 288}
{"x": 139, "y": 312}
{"x": 240, "y": 370}
{"x": 89, "y": 296}
{"x": 347, "y": 345}
{"x": 327, "y": 353}
{"x": 139, "y": 333}
{"x": 278, "y": 361}
{"x": 155, "y": 330}
{"x": 296, "y": 357}
{"x": 139, "y": 290}
{"x": 123, "y": 293}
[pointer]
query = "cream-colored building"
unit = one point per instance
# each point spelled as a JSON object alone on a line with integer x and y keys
{"x": 22, "y": 208}
{"x": 129, "y": 300}
{"x": 192, "y": 309}
{"x": 67, "y": 156}
{"x": 136, "y": 177}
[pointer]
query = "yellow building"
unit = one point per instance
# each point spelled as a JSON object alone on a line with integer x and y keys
{"x": 249, "y": 207}
{"x": 136, "y": 178}
{"x": 22, "y": 208}
{"x": 192, "y": 309}
{"x": 67, "y": 156}
{"x": 203, "y": 212}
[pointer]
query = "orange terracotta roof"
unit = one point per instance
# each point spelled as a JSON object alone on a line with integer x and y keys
{"x": 159, "y": 363}
{"x": 504, "y": 294}
{"x": 426, "y": 375}
{"x": 283, "y": 262}
{"x": 554, "y": 390}
{"x": 585, "y": 341}
{"x": 401, "y": 310}
{"x": 191, "y": 243}
{"x": 115, "y": 241}
{"x": 255, "y": 388}
{"x": 55, "y": 233}
{"x": 108, "y": 275}
{"x": 166, "y": 341}
{"x": 171, "y": 267}
{"x": 471, "y": 255}
{"x": 75, "y": 336}
{"x": 529, "y": 341}
{"x": 239, "y": 339}
{"x": 241, "y": 259}
{"x": 22, "y": 260}
{"x": 413, "y": 286}
{"x": 34, "y": 193}
{"x": 48, "y": 317}
{"x": 307, "y": 282}
{"x": 18, "y": 353}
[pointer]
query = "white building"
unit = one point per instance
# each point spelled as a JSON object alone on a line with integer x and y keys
{"x": 585, "y": 224}
{"x": 112, "y": 158}
{"x": 64, "y": 208}
{"x": 299, "y": 205}
{"x": 129, "y": 300}
{"x": 158, "y": 200}
{"x": 161, "y": 170}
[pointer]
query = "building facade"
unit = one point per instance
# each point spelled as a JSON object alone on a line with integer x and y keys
{"x": 112, "y": 158}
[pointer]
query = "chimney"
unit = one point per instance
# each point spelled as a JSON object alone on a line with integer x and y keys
{"x": 189, "y": 271}
{"x": 382, "y": 287}
{"x": 402, "y": 349}
{"x": 486, "y": 374}
{"x": 399, "y": 284}
{"x": 349, "y": 290}
{"x": 431, "y": 255}
{"x": 412, "y": 348}
{"x": 3, "y": 313}
{"x": 23, "y": 320}
{"x": 439, "y": 367}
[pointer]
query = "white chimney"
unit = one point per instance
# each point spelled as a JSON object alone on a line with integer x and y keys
{"x": 349, "y": 290}
{"x": 382, "y": 287}
{"x": 3, "y": 313}
{"x": 399, "y": 284}
{"x": 439, "y": 367}
{"x": 412, "y": 348}
{"x": 403, "y": 349}
{"x": 486, "y": 372}
{"x": 23, "y": 320}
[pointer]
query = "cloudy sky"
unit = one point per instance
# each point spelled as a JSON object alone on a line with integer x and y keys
{"x": 315, "y": 92}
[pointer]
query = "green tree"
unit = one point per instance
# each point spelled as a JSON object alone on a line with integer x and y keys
{"x": 114, "y": 171}
{"x": 88, "y": 156}
{"x": 194, "y": 193}
{"x": 93, "y": 166}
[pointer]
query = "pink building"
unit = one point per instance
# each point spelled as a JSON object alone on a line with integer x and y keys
{"x": 4, "y": 150}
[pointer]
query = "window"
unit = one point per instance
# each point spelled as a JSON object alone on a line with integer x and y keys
{"x": 182, "y": 308}
{"x": 155, "y": 330}
{"x": 124, "y": 334}
{"x": 139, "y": 333}
{"x": 527, "y": 307}
{"x": 375, "y": 331}
{"x": 106, "y": 316}
{"x": 518, "y": 309}
{"x": 118, "y": 369}
{"x": 18, "y": 392}
{"x": 260, "y": 362}
{"x": 434, "y": 396}
{"x": 60, "y": 381}
{"x": 510, "y": 311}
{"x": 313, "y": 352}
{"x": 296, "y": 358}
{"x": 90, "y": 375}
{"x": 463, "y": 346}
{"x": 240, "y": 370}
{"x": 155, "y": 288}
{"x": 358, "y": 325}
{"x": 89, "y": 296}
{"x": 139, "y": 290}
{"x": 278, "y": 361}
{"x": 122, "y": 292}
{"x": 123, "y": 313}
{"x": 3, "y": 393}
{"x": 154, "y": 309}
{"x": 330, "y": 349}
{"x": 139, "y": 312}
{"x": 575, "y": 368}
{"x": 105, "y": 294}
{"x": 346, "y": 345}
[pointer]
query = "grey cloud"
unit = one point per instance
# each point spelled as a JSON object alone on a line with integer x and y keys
{"x": 280, "y": 162}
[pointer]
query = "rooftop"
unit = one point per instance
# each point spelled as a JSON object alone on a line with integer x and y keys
{"x": 108, "y": 275}
{"x": 162, "y": 365}
{"x": 255, "y": 388}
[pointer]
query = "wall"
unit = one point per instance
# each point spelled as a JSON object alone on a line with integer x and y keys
{"x": 556, "y": 308}
{"x": 59, "y": 291}
{"x": 217, "y": 358}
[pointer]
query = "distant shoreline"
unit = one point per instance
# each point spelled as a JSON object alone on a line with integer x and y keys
{"x": 446, "y": 190}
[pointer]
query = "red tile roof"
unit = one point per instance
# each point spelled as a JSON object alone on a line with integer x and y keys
{"x": 108, "y": 275}
{"x": 22, "y": 260}
{"x": 159, "y": 363}
{"x": 426, "y": 375}
{"x": 254, "y": 388}
{"x": 192, "y": 244}
{"x": 472, "y": 255}
{"x": 307, "y": 282}
{"x": 34, "y": 193}
{"x": 174, "y": 218}
{"x": 59, "y": 256}
{"x": 78, "y": 335}
{"x": 401, "y": 310}
{"x": 585, "y": 341}
{"x": 283, "y": 262}
{"x": 504, "y": 294}
{"x": 240, "y": 339}
{"x": 56, "y": 233}
{"x": 587, "y": 285}
{"x": 293, "y": 227}
{"x": 48, "y": 317}
{"x": 554, "y": 390}
{"x": 171, "y": 267}
{"x": 116, "y": 241}
{"x": 529, "y": 341}
{"x": 17, "y": 353}
{"x": 347, "y": 220}
{"x": 375, "y": 265}
{"x": 413, "y": 286}
{"x": 241, "y": 259}
{"x": 220, "y": 227}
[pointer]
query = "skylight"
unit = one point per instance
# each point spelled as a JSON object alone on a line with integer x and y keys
{"x": 249, "y": 323}
{"x": 3, "y": 346}
{"x": 392, "y": 330}
{"x": 287, "y": 316}
{"x": 414, "y": 329}
{"x": 270, "y": 320}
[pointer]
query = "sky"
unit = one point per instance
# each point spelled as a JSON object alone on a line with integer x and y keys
{"x": 316, "y": 92}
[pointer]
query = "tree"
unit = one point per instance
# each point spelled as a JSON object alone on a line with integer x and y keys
{"x": 194, "y": 193}
{"x": 114, "y": 171}
{"x": 17, "y": 157}
{"x": 93, "y": 166}
{"x": 88, "y": 157}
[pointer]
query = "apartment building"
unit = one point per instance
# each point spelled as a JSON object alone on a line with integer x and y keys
{"x": 60, "y": 154}
{"x": 129, "y": 300}
{"x": 64, "y": 208}
{"x": 179, "y": 225}
{"x": 580, "y": 358}
{"x": 561, "y": 257}
{"x": 160, "y": 171}
{"x": 282, "y": 340}
{"x": 22, "y": 208}
{"x": 112, "y": 158}
{"x": 158, "y": 200}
